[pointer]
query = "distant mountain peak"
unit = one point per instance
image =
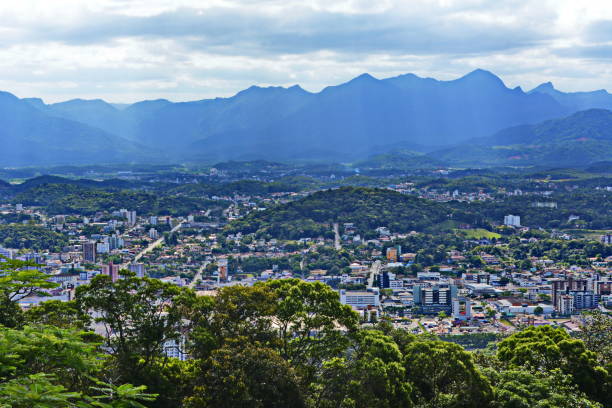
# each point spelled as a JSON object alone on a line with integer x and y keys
{"x": 365, "y": 77}
{"x": 545, "y": 87}
{"x": 481, "y": 76}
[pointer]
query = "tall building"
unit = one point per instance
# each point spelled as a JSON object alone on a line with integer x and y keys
{"x": 131, "y": 217}
{"x": 393, "y": 254}
{"x": 223, "y": 268}
{"x": 89, "y": 252}
{"x": 434, "y": 299}
{"x": 112, "y": 271}
{"x": 138, "y": 269}
{"x": 579, "y": 290}
{"x": 512, "y": 220}
{"x": 153, "y": 234}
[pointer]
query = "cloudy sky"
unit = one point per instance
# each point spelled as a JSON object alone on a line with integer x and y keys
{"x": 128, "y": 50}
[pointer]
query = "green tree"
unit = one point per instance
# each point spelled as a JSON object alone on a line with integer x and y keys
{"x": 548, "y": 348}
{"x": 372, "y": 376}
{"x": 596, "y": 332}
{"x": 246, "y": 377}
{"x": 18, "y": 280}
{"x": 59, "y": 314}
{"x": 444, "y": 375}
{"x": 138, "y": 315}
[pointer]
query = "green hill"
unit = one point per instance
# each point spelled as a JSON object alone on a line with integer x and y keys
{"x": 367, "y": 208}
{"x": 580, "y": 139}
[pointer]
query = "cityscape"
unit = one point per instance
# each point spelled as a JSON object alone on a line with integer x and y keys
{"x": 183, "y": 225}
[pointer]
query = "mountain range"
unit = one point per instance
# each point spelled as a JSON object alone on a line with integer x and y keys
{"x": 351, "y": 122}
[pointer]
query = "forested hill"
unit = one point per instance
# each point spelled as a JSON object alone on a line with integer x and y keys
{"x": 367, "y": 208}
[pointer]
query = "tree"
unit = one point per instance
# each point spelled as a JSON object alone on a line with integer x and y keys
{"x": 310, "y": 320}
{"x": 538, "y": 310}
{"x": 138, "y": 314}
{"x": 444, "y": 375}
{"x": 372, "y": 376}
{"x": 59, "y": 314}
{"x": 520, "y": 388}
{"x": 596, "y": 332}
{"x": 62, "y": 353}
{"x": 18, "y": 280}
{"x": 548, "y": 348}
{"x": 248, "y": 377}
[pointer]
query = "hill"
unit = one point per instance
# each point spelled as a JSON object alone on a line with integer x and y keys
{"x": 399, "y": 160}
{"x": 582, "y": 138}
{"x": 367, "y": 208}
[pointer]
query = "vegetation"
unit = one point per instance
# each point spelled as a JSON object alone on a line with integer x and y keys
{"x": 284, "y": 343}
{"x": 31, "y": 237}
{"x": 76, "y": 199}
{"x": 367, "y": 208}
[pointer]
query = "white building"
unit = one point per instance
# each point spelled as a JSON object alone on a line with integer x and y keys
{"x": 360, "y": 299}
{"x": 512, "y": 220}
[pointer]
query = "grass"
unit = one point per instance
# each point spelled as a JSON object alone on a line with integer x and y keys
{"x": 479, "y": 233}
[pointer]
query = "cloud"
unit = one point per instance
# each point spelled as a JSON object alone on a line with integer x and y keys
{"x": 181, "y": 49}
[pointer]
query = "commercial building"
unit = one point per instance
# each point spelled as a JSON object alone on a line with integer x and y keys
{"x": 435, "y": 298}
{"x": 360, "y": 299}
{"x": 89, "y": 252}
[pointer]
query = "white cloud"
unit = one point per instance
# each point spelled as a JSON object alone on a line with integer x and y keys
{"x": 127, "y": 50}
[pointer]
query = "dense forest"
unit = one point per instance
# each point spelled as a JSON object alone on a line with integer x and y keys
{"x": 284, "y": 343}
{"x": 34, "y": 237}
{"x": 367, "y": 208}
{"x": 77, "y": 199}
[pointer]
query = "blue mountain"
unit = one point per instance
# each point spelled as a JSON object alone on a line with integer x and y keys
{"x": 350, "y": 121}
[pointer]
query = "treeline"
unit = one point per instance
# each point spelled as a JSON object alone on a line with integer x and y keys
{"x": 283, "y": 343}
{"x": 77, "y": 199}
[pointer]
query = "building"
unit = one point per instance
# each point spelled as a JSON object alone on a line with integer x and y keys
{"x": 112, "y": 271}
{"x": 435, "y": 298}
{"x": 89, "y": 252}
{"x": 138, "y": 269}
{"x": 462, "y": 308}
{"x": 512, "y": 220}
{"x": 7, "y": 253}
{"x": 360, "y": 299}
{"x": 393, "y": 253}
{"x": 153, "y": 234}
{"x": 222, "y": 264}
{"x": 606, "y": 239}
{"x": 580, "y": 290}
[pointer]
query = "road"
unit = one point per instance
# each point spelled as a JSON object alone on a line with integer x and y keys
{"x": 152, "y": 246}
{"x": 337, "y": 243}
{"x": 198, "y": 275}
{"x": 374, "y": 270}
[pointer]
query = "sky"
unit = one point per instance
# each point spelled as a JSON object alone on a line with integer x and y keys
{"x": 130, "y": 50}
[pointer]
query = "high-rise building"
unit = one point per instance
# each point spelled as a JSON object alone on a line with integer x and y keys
{"x": 512, "y": 220}
{"x": 138, "y": 269}
{"x": 112, "y": 271}
{"x": 222, "y": 263}
{"x": 392, "y": 254}
{"x": 435, "y": 298}
{"x": 131, "y": 217}
{"x": 153, "y": 234}
{"x": 580, "y": 290}
{"x": 89, "y": 252}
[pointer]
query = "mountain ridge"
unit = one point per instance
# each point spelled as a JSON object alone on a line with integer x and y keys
{"x": 344, "y": 122}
